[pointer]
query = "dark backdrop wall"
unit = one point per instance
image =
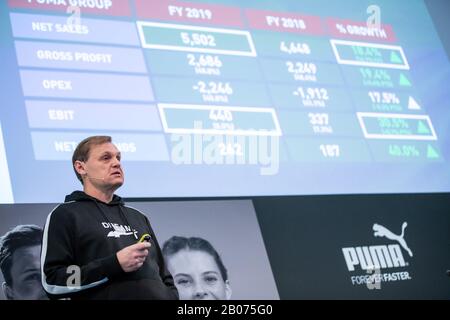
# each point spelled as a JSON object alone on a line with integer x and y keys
{"x": 305, "y": 238}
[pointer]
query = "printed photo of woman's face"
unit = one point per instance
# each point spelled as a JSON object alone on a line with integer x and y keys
{"x": 197, "y": 276}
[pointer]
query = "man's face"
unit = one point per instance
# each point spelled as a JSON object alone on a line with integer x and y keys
{"x": 26, "y": 275}
{"x": 197, "y": 276}
{"x": 103, "y": 169}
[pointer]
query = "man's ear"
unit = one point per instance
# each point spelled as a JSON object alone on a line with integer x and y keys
{"x": 79, "y": 167}
{"x": 7, "y": 291}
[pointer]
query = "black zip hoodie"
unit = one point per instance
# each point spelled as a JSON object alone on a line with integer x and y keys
{"x": 85, "y": 234}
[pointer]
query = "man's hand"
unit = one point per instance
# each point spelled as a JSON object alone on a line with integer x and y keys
{"x": 131, "y": 258}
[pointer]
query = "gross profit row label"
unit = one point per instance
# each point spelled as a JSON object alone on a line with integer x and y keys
{"x": 175, "y": 37}
{"x": 186, "y": 119}
{"x": 80, "y": 57}
{"x": 369, "y": 54}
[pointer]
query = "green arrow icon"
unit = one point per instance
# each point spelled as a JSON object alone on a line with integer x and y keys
{"x": 395, "y": 58}
{"x": 404, "y": 81}
{"x": 432, "y": 153}
{"x": 422, "y": 128}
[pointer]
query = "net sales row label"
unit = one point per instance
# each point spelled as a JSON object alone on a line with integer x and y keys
{"x": 165, "y": 36}
{"x": 59, "y": 28}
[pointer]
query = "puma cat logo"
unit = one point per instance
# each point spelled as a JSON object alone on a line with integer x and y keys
{"x": 380, "y": 231}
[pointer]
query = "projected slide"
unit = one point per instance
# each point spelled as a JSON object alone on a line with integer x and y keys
{"x": 226, "y": 98}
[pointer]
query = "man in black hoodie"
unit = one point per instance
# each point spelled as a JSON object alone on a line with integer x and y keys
{"x": 90, "y": 247}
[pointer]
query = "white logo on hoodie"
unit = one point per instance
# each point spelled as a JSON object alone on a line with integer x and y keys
{"x": 119, "y": 230}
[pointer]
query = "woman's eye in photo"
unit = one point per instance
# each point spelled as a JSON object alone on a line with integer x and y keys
{"x": 210, "y": 279}
{"x": 183, "y": 282}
